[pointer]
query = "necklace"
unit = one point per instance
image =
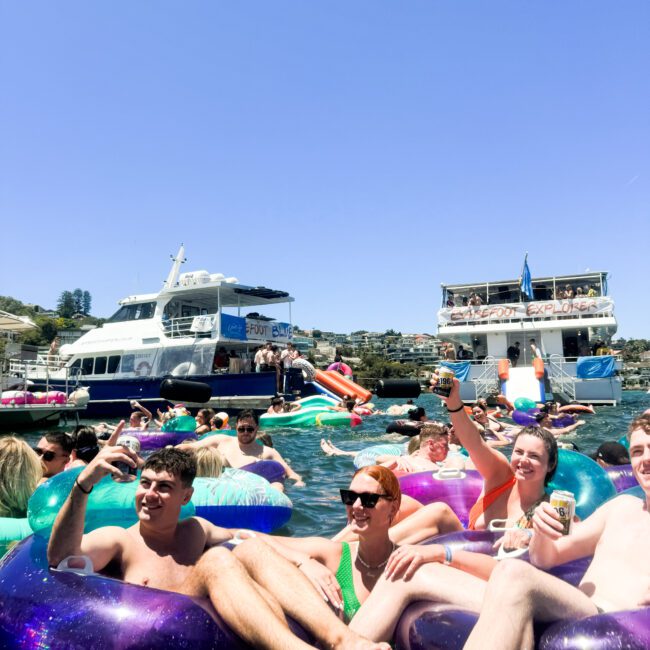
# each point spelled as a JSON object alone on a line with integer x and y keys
{"x": 373, "y": 570}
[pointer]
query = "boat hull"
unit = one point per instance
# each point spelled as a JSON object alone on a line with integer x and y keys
{"x": 111, "y": 397}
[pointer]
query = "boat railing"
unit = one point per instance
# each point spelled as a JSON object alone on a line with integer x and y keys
{"x": 488, "y": 380}
{"x": 189, "y": 326}
{"x": 45, "y": 370}
{"x": 560, "y": 379}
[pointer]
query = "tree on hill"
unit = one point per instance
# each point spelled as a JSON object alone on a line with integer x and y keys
{"x": 78, "y": 296}
{"x": 66, "y": 305}
{"x": 87, "y": 302}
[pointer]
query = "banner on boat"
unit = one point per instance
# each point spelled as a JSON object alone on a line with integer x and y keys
{"x": 537, "y": 309}
{"x": 250, "y": 329}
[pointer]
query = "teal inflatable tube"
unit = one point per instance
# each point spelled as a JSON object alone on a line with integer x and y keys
{"x": 584, "y": 477}
{"x": 317, "y": 400}
{"x": 624, "y": 441}
{"x": 369, "y": 455}
{"x": 305, "y": 417}
{"x": 12, "y": 530}
{"x": 236, "y": 499}
{"x": 180, "y": 423}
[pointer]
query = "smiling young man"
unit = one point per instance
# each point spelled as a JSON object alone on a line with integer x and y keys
{"x": 245, "y": 449}
{"x": 618, "y": 577}
{"x": 251, "y": 587}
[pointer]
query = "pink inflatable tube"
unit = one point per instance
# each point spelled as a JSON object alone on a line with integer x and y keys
{"x": 459, "y": 491}
{"x": 41, "y": 608}
{"x": 341, "y": 367}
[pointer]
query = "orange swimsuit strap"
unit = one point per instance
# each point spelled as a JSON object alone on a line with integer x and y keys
{"x": 487, "y": 500}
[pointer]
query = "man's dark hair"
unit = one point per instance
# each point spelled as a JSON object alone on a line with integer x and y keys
{"x": 61, "y": 438}
{"x": 176, "y": 462}
{"x": 246, "y": 414}
{"x": 276, "y": 401}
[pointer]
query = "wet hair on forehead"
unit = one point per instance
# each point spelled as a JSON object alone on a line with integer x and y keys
{"x": 61, "y": 438}
{"x": 248, "y": 414}
{"x": 550, "y": 444}
{"x": 386, "y": 479}
{"x": 176, "y": 462}
{"x": 433, "y": 431}
{"x": 642, "y": 422}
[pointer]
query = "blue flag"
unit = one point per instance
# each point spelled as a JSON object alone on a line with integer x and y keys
{"x": 526, "y": 283}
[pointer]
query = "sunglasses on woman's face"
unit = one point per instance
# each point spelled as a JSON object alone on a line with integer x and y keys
{"x": 246, "y": 429}
{"x": 368, "y": 499}
{"x": 47, "y": 455}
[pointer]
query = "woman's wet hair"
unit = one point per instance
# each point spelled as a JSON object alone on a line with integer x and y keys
{"x": 206, "y": 414}
{"x": 86, "y": 446}
{"x": 417, "y": 413}
{"x": 209, "y": 462}
{"x": 21, "y": 471}
{"x": 386, "y": 479}
{"x": 550, "y": 444}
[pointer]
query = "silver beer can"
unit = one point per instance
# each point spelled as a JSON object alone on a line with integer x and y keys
{"x": 128, "y": 473}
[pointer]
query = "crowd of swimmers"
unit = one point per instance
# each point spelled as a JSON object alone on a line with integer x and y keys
{"x": 349, "y": 591}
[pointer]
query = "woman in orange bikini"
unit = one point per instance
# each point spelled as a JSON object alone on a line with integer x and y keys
{"x": 511, "y": 490}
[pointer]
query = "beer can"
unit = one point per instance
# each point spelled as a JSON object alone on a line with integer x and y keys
{"x": 445, "y": 382}
{"x": 128, "y": 473}
{"x": 564, "y": 504}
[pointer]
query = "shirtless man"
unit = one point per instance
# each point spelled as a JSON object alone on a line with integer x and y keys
{"x": 434, "y": 447}
{"x": 244, "y": 449}
{"x": 162, "y": 552}
{"x": 618, "y": 577}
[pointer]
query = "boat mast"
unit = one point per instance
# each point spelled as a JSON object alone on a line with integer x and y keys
{"x": 172, "y": 278}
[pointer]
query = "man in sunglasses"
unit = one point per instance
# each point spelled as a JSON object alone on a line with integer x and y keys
{"x": 245, "y": 449}
{"x": 54, "y": 448}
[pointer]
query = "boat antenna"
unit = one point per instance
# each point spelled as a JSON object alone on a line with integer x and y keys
{"x": 172, "y": 278}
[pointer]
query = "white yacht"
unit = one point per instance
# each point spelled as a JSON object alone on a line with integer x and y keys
{"x": 199, "y": 326}
{"x": 568, "y": 319}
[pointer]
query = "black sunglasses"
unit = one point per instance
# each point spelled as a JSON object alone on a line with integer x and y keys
{"x": 368, "y": 499}
{"x": 246, "y": 429}
{"x": 47, "y": 455}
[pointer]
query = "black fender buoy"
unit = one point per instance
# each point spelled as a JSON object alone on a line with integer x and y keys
{"x": 183, "y": 390}
{"x": 398, "y": 388}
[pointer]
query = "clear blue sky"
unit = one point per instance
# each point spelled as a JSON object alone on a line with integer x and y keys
{"x": 356, "y": 154}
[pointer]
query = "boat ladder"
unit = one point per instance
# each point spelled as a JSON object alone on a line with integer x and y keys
{"x": 487, "y": 383}
{"x": 562, "y": 383}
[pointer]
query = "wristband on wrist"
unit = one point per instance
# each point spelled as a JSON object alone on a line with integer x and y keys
{"x": 76, "y": 482}
{"x": 460, "y": 408}
{"x": 448, "y": 555}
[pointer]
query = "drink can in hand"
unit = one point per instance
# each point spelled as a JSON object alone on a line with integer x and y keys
{"x": 128, "y": 473}
{"x": 445, "y": 382}
{"x": 564, "y": 504}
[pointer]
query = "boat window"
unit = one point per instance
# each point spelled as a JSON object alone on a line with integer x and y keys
{"x": 113, "y": 364}
{"x": 87, "y": 366}
{"x": 139, "y": 311}
{"x": 100, "y": 365}
{"x": 76, "y": 363}
{"x": 128, "y": 363}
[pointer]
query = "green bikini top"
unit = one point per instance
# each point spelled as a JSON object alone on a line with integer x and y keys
{"x": 351, "y": 603}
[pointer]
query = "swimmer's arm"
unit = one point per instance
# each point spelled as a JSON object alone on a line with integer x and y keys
{"x": 214, "y": 535}
{"x": 491, "y": 464}
{"x": 548, "y": 547}
{"x": 67, "y": 533}
{"x": 275, "y": 455}
{"x": 405, "y": 561}
{"x": 210, "y": 441}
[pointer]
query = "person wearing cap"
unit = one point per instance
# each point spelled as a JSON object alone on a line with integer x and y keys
{"x": 611, "y": 453}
